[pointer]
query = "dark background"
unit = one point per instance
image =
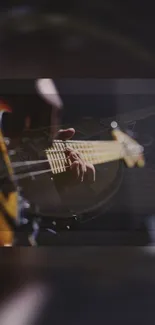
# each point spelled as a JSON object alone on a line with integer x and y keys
{"x": 89, "y": 285}
{"x": 95, "y": 40}
{"x": 125, "y": 218}
{"x": 102, "y": 38}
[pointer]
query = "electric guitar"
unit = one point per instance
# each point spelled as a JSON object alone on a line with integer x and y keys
{"x": 38, "y": 167}
{"x": 36, "y": 171}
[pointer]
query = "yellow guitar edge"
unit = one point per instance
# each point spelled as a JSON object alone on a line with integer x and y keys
{"x": 9, "y": 204}
{"x": 129, "y": 160}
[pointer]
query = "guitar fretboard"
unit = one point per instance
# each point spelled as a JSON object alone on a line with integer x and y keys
{"x": 94, "y": 152}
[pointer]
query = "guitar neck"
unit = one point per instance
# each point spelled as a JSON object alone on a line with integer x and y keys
{"x": 94, "y": 152}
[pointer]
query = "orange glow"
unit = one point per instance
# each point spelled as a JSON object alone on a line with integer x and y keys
{"x": 4, "y": 107}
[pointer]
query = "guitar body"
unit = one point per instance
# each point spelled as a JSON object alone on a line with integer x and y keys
{"x": 42, "y": 193}
{"x": 45, "y": 192}
{"x": 10, "y": 206}
{"x": 8, "y": 198}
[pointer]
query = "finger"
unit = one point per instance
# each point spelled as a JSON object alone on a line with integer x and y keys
{"x": 82, "y": 169}
{"x": 66, "y": 134}
{"x": 74, "y": 156}
{"x": 91, "y": 173}
{"x": 75, "y": 169}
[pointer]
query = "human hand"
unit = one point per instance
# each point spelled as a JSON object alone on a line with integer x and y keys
{"x": 80, "y": 171}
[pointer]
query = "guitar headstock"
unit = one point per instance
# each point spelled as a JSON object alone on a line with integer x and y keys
{"x": 132, "y": 151}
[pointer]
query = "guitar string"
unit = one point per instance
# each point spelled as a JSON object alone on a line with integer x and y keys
{"x": 26, "y": 163}
{"x": 50, "y": 151}
{"x": 63, "y": 151}
{"x": 89, "y": 155}
{"x": 33, "y": 174}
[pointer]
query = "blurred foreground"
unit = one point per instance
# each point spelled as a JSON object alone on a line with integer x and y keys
{"x": 78, "y": 286}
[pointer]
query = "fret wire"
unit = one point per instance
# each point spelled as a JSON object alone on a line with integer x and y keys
{"x": 94, "y": 149}
{"x": 49, "y": 160}
{"x": 96, "y": 161}
{"x": 92, "y": 154}
{"x": 52, "y": 160}
{"x": 59, "y": 162}
{"x": 94, "y": 145}
{"x": 88, "y": 150}
{"x": 57, "y": 156}
{"x": 91, "y": 148}
{"x": 88, "y": 154}
{"x": 61, "y": 145}
{"x": 82, "y": 149}
{"x": 60, "y": 155}
{"x": 97, "y": 156}
{"x": 67, "y": 166}
{"x": 87, "y": 143}
{"x": 67, "y": 160}
{"x": 99, "y": 146}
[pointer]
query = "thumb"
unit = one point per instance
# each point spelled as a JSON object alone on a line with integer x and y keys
{"x": 66, "y": 134}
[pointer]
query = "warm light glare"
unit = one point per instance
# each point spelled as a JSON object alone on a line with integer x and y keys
{"x": 24, "y": 307}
